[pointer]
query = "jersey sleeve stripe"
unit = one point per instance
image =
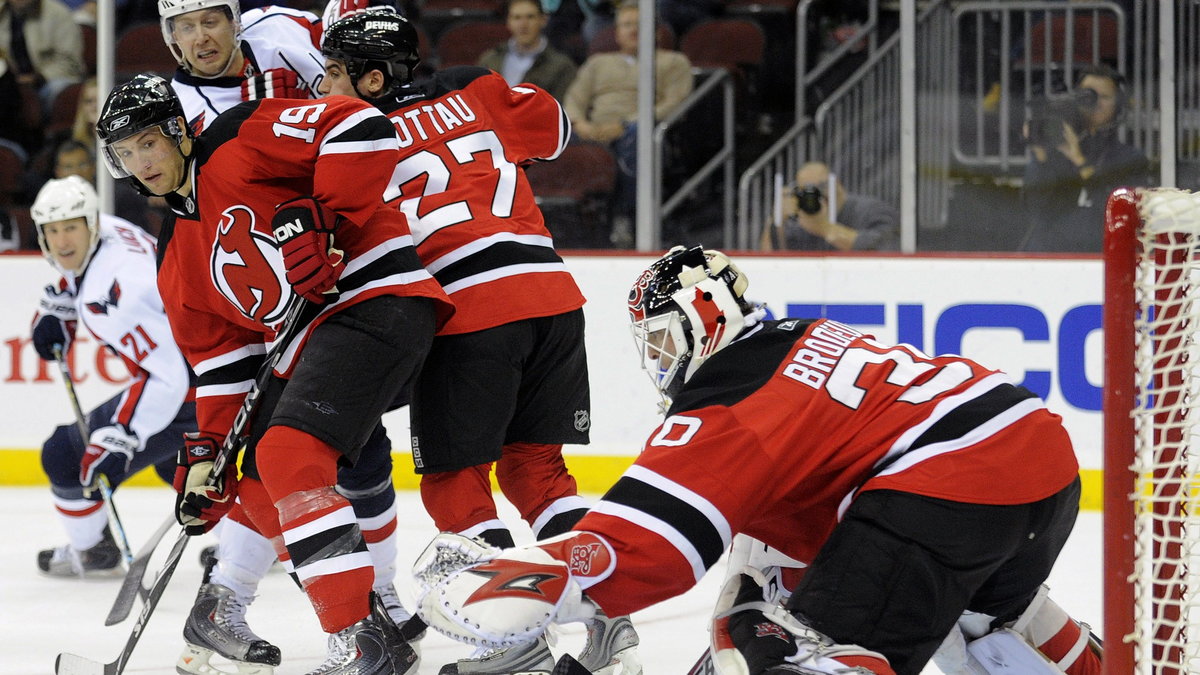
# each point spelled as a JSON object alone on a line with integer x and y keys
{"x": 225, "y": 389}
{"x": 362, "y": 260}
{"x": 363, "y": 129}
{"x": 130, "y": 400}
{"x": 663, "y": 529}
{"x": 943, "y": 408}
{"x": 228, "y": 358}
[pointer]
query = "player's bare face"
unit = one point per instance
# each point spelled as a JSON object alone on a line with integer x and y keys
{"x": 68, "y": 242}
{"x": 153, "y": 159}
{"x": 525, "y": 22}
{"x": 336, "y": 81}
{"x": 206, "y": 39}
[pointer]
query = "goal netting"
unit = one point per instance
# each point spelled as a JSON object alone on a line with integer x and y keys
{"x": 1151, "y": 401}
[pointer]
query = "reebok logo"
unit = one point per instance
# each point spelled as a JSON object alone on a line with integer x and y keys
{"x": 118, "y": 123}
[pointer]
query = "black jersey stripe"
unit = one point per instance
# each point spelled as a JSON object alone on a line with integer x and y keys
{"x": 398, "y": 261}
{"x": 679, "y": 514}
{"x": 972, "y": 414}
{"x": 243, "y": 370}
{"x": 497, "y": 256}
{"x": 370, "y": 128}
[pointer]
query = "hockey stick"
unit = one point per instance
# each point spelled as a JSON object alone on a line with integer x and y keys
{"x": 70, "y": 664}
{"x": 132, "y": 585}
{"x": 704, "y": 665}
{"x": 567, "y": 665}
{"x": 101, "y": 481}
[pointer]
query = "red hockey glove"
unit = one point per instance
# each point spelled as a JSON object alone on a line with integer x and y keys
{"x": 304, "y": 231}
{"x": 274, "y": 83}
{"x": 199, "y": 506}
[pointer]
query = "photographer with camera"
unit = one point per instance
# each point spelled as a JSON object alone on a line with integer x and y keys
{"x": 853, "y": 222}
{"x": 1075, "y": 161}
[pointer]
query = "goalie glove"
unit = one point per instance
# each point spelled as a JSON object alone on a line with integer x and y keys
{"x": 304, "y": 230}
{"x": 273, "y": 83}
{"x": 480, "y": 595}
{"x": 109, "y": 452}
{"x": 55, "y": 322}
{"x": 199, "y": 505}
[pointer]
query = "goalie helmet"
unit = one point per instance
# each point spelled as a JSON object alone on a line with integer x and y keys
{"x": 169, "y": 9}
{"x": 375, "y": 38}
{"x": 66, "y": 199}
{"x": 685, "y": 307}
{"x": 141, "y": 103}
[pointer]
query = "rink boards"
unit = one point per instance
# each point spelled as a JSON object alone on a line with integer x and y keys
{"x": 1037, "y": 319}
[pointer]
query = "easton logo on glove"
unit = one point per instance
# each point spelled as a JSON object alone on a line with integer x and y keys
{"x": 304, "y": 229}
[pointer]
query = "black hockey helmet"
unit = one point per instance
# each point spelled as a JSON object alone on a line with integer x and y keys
{"x": 143, "y": 102}
{"x": 685, "y": 307}
{"x": 375, "y": 38}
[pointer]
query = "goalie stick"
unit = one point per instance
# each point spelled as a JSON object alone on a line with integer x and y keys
{"x": 704, "y": 665}
{"x": 71, "y": 664}
{"x": 101, "y": 481}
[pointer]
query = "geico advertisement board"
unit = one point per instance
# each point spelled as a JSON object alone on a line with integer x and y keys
{"x": 1038, "y": 320}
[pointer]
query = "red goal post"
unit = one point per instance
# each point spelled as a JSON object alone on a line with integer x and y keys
{"x": 1151, "y": 418}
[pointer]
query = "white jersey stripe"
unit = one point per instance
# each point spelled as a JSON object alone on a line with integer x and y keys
{"x": 341, "y": 563}
{"x": 477, "y": 245}
{"x": 658, "y": 526}
{"x": 705, "y": 507}
{"x": 502, "y": 272}
{"x": 227, "y": 389}
{"x": 229, "y": 357}
{"x": 339, "y": 518}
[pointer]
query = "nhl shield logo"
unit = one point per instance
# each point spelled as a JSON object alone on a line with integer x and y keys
{"x": 583, "y": 421}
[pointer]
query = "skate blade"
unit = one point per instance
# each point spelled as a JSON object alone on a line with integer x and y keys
{"x": 194, "y": 661}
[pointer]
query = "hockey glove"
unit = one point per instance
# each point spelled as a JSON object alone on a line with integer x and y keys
{"x": 199, "y": 505}
{"x": 304, "y": 231}
{"x": 109, "y": 452}
{"x": 55, "y": 322}
{"x": 483, "y": 596}
{"x": 274, "y": 83}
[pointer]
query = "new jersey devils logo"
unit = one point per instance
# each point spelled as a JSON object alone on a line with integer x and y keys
{"x": 248, "y": 269}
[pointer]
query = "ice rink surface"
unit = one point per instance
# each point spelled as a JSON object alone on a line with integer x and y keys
{"x": 40, "y": 616}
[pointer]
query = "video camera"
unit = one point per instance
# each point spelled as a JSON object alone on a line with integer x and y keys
{"x": 1047, "y": 115}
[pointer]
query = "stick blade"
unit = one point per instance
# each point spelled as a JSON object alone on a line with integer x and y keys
{"x": 132, "y": 586}
{"x": 567, "y": 665}
{"x": 71, "y": 664}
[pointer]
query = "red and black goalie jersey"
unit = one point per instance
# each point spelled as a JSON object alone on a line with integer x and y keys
{"x": 221, "y": 275}
{"x": 775, "y": 434}
{"x": 460, "y": 181}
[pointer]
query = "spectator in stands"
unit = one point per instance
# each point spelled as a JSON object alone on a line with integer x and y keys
{"x": 528, "y": 56}
{"x": 602, "y": 105}
{"x": 13, "y": 124}
{"x": 86, "y": 109}
{"x": 857, "y": 223}
{"x": 1075, "y": 161}
{"x": 44, "y": 45}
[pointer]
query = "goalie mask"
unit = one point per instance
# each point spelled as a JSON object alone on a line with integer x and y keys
{"x": 145, "y": 102}
{"x": 169, "y": 10}
{"x": 377, "y": 38}
{"x": 685, "y": 307}
{"x": 63, "y": 199}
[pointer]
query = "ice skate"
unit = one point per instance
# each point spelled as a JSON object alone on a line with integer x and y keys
{"x": 401, "y": 616}
{"x": 217, "y": 625}
{"x": 103, "y": 559}
{"x": 372, "y": 646}
{"x": 531, "y": 658}
{"x": 611, "y": 642}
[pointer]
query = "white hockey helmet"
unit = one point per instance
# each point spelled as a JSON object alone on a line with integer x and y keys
{"x": 685, "y": 307}
{"x": 64, "y": 199}
{"x": 169, "y": 9}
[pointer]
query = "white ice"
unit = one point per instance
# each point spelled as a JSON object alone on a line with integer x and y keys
{"x": 40, "y": 616}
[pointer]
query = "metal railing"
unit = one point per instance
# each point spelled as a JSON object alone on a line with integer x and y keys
{"x": 723, "y": 158}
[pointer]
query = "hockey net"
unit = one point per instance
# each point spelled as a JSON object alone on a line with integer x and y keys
{"x": 1152, "y": 420}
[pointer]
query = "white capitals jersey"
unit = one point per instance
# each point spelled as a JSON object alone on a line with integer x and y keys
{"x": 272, "y": 37}
{"x": 117, "y": 300}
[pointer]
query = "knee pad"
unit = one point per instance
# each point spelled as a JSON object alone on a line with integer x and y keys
{"x": 61, "y": 457}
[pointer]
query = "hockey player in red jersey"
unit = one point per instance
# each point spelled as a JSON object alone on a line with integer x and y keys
{"x": 107, "y": 287}
{"x": 258, "y": 200}
{"x": 506, "y": 380}
{"x": 915, "y": 486}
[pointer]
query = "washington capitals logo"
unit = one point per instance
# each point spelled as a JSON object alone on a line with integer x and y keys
{"x": 114, "y": 296}
{"x": 519, "y": 579}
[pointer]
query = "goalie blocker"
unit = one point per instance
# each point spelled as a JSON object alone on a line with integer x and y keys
{"x": 916, "y": 487}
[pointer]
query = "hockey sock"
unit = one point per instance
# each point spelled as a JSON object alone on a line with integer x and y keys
{"x": 461, "y": 501}
{"x": 83, "y": 519}
{"x": 243, "y": 555}
{"x": 319, "y": 528}
{"x": 534, "y": 477}
{"x": 375, "y": 509}
{"x": 1054, "y": 633}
